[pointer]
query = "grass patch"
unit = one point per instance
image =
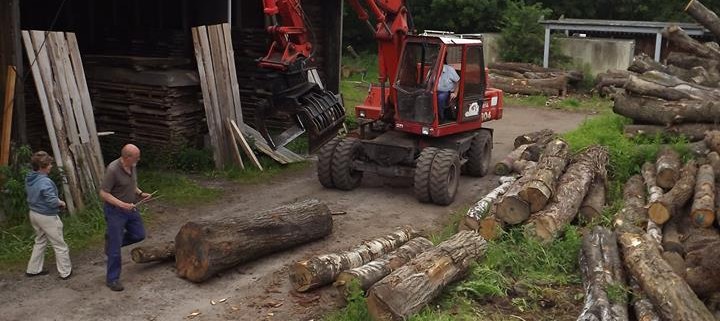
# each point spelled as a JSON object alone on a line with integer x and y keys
{"x": 580, "y": 103}
{"x": 175, "y": 188}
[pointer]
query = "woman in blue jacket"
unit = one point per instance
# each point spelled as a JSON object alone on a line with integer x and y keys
{"x": 42, "y": 198}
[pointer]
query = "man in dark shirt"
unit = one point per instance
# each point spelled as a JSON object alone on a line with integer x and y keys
{"x": 120, "y": 193}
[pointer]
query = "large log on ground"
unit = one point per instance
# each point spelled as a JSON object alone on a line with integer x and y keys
{"x": 505, "y": 166}
{"x": 523, "y": 166}
{"x": 542, "y": 136}
{"x": 692, "y": 132}
{"x": 374, "y": 271}
{"x": 704, "y": 16}
{"x": 665, "y": 207}
{"x": 712, "y": 140}
{"x": 667, "y": 167}
{"x": 681, "y": 39}
{"x": 657, "y": 111}
{"x": 550, "y": 87}
{"x": 484, "y": 207}
{"x": 506, "y": 73}
{"x": 571, "y": 190}
{"x": 612, "y": 78}
{"x": 541, "y": 186}
{"x": 672, "y": 238}
{"x": 688, "y": 61}
{"x": 409, "y": 288}
{"x": 632, "y": 218}
{"x": 713, "y": 159}
{"x": 203, "y": 248}
{"x": 676, "y": 262}
{"x": 661, "y": 85}
{"x": 703, "y": 206}
{"x": 322, "y": 270}
{"x": 703, "y": 275}
{"x": 696, "y": 75}
{"x": 594, "y": 202}
{"x": 644, "y": 309}
{"x": 511, "y": 208}
{"x": 157, "y": 252}
{"x": 672, "y": 297}
{"x": 601, "y": 269}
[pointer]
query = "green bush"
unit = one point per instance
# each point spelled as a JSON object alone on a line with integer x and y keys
{"x": 522, "y": 37}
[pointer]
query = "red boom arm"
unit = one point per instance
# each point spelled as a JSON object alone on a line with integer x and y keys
{"x": 290, "y": 41}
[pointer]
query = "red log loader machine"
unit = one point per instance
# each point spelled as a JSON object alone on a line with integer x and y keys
{"x": 407, "y": 128}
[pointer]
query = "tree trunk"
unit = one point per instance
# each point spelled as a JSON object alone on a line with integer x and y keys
{"x": 714, "y": 161}
{"x": 712, "y": 140}
{"x": 203, "y": 248}
{"x": 632, "y": 218}
{"x": 703, "y": 207}
{"x": 542, "y": 136}
{"x": 661, "y": 210}
{"x": 672, "y": 239}
{"x": 157, "y": 252}
{"x": 688, "y": 61}
{"x": 541, "y": 186}
{"x": 692, "y": 132}
{"x": 505, "y": 166}
{"x": 321, "y": 270}
{"x": 594, "y": 202}
{"x": 374, "y": 271}
{"x": 667, "y": 167}
{"x": 506, "y": 73}
{"x": 411, "y": 287}
{"x": 511, "y": 208}
{"x": 649, "y": 175}
{"x": 533, "y": 152}
{"x": 572, "y": 187}
{"x": 601, "y": 268}
{"x": 656, "y": 111}
{"x": 614, "y": 78}
{"x": 681, "y": 39}
{"x": 523, "y": 166}
{"x": 549, "y": 87}
{"x": 695, "y": 75}
{"x": 704, "y": 16}
{"x": 484, "y": 207}
{"x": 671, "y": 296}
{"x": 661, "y": 85}
{"x": 521, "y": 67}
{"x": 644, "y": 309}
{"x": 703, "y": 276}
{"x": 676, "y": 262}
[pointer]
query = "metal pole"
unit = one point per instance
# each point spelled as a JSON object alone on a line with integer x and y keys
{"x": 546, "y": 51}
{"x": 658, "y": 45}
{"x": 229, "y": 12}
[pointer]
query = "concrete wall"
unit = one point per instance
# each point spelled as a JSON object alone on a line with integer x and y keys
{"x": 599, "y": 54}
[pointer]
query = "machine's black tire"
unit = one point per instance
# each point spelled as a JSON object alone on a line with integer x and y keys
{"x": 343, "y": 175}
{"x": 444, "y": 176}
{"x": 479, "y": 154}
{"x": 422, "y": 174}
{"x": 324, "y": 163}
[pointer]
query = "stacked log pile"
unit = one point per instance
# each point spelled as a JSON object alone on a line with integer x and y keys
{"x": 530, "y": 79}
{"x": 679, "y": 97}
{"x": 149, "y": 101}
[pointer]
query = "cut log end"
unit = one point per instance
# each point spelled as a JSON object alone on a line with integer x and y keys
{"x": 659, "y": 213}
{"x": 666, "y": 178}
{"x": 196, "y": 269}
{"x": 537, "y": 197}
{"x": 301, "y": 277}
{"x": 703, "y": 218}
{"x": 490, "y": 228}
{"x": 513, "y": 210}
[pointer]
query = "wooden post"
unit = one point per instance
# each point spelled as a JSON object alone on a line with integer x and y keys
{"x": 7, "y": 117}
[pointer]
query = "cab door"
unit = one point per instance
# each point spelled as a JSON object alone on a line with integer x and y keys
{"x": 472, "y": 83}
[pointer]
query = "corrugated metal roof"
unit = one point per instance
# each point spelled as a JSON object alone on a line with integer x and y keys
{"x": 628, "y": 26}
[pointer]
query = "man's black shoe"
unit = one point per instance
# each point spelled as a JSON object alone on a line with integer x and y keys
{"x": 67, "y": 276}
{"x": 115, "y": 286}
{"x": 43, "y": 272}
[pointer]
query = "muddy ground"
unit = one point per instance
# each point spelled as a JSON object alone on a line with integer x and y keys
{"x": 259, "y": 290}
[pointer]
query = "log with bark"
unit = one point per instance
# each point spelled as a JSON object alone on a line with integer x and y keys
{"x": 506, "y": 73}
{"x": 632, "y": 218}
{"x": 505, "y": 166}
{"x": 374, "y": 271}
{"x": 704, "y": 16}
{"x": 681, "y": 39}
{"x": 542, "y": 137}
{"x": 409, "y": 288}
{"x": 703, "y": 275}
{"x": 203, "y": 248}
{"x": 643, "y": 63}
{"x": 511, "y": 208}
{"x": 601, "y": 269}
{"x": 661, "y": 210}
{"x": 712, "y": 140}
{"x": 541, "y": 186}
{"x": 667, "y": 167}
{"x": 523, "y": 166}
{"x": 688, "y": 61}
{"x": 533, "y": 152}
{"x": 669, "y": 87}
{"x": 612, "y": 78}
{"x": 676, "y": 262}
{"x": 594, "y": 202}
{"x": 158, "y": 252}
{"x": 672, "y": 238}
{"x": 550, "y": 87}
{"x": 644, "y": 309}
{"x": 521, "y": 67}
{"x": 713, "y": 158}
{"x": 671, "y": 296}
{"x": 649, "y": 175}
{"x": 703, "y": 206}
{"x": 651, "y": 110}
{"x": 692, "y": 132}
{"x": 571, "y": 190}
{"x": 322, "y": 270}
{"x": 484, "y": 207}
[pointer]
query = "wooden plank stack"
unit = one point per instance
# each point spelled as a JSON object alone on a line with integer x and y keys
{"x": 64, "y": 97}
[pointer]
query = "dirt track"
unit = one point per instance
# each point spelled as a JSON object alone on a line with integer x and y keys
{"x": 259, "y": 290}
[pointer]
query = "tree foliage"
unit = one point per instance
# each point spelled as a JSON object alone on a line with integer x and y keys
{"x": 522, "y": 37}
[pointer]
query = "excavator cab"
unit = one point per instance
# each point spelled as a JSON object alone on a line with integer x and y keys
{"x": 424, "y": 103}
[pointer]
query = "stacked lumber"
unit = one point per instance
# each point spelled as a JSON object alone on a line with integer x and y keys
{"x": 530, "y": 79}
{"x": 147, "y": 101}
{"x": 680, "y": 97}
{"x": 62, "y": 89}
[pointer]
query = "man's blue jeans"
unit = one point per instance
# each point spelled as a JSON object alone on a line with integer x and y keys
{"x": 443, "y": 98}
{"x": 123, "y": 228}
